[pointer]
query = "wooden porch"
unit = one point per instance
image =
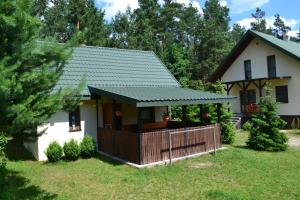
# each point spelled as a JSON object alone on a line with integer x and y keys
{"x": 159, "y": 145}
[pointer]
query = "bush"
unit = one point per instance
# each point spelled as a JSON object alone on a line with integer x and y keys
{"x": 228, "y": 133}
{"x": 54, "y": 152}
{"x": 71, "y": 150}
{"x": 247, "y": 126}
{"x": 87, "y": 147}
{"x": 3, "y": 143}
{"x": 264, "y": 132}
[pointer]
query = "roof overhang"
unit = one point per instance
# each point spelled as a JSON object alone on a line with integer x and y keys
{"x": 159, "y": 96}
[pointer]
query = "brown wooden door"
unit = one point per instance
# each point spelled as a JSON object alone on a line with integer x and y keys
{"x": 108, "y": 115}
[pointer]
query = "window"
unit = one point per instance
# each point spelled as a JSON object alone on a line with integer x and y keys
{"x": 250, "y": 98}
{"x": 74, "y": 120}
{"x": 247, "y": 68}
{"x": 148, "y": 115}
{"x": 271, "y": 61}
{"x": 282, "y": 94}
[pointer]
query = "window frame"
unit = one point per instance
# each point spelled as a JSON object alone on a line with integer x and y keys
{"x": 272, "y": 69}
{"x": 76, "y": 113}
{"x": 152, "y": 114}
{"x": 248, "y": 69}
{"x": 278, "y": 96}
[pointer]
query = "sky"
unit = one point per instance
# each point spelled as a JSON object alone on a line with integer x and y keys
{"x": 240, "y": 10}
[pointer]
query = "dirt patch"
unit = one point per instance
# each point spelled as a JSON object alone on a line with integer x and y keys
{"x": 294, "y": 141}
{"x": 201, "y": 165}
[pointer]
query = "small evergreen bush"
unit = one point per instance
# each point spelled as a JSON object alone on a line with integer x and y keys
{"x": 3, "y": 143}
{"x": 265, "y": 125}
{"x": 87, "y": 147}
{"x": 71, "y": 150}
{"x": 247, "y": 126}
{"x": 228, "y": 133}
{"x": 54, "y": 152}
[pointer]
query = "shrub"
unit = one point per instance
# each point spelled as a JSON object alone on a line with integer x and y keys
{"x": 87, "y": 147}
{"x": 228, "y": 133}
{"x": 71, "y": 150}
{"x": 3, "y": 143}
{"x": 264, "y": 132}
{"x": 54, "y": 152}
{"x": 247, "y": 126}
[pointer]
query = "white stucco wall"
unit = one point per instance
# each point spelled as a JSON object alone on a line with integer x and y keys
{"x": 257, "y": 51}
{"x": 57, "y": 129}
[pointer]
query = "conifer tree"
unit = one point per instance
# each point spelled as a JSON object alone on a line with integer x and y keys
{"x": 260, "y": 23}
{"x": 265, "y": 125}
{"x": 29, "y": 71}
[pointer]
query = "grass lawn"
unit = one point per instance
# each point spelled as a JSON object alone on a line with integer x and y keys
{"x": 235, "y": 173}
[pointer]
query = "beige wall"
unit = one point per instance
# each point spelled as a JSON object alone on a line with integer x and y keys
{"x": 257, "y": 51}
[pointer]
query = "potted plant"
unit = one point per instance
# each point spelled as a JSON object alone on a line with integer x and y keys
{"x": 166, "y": 117}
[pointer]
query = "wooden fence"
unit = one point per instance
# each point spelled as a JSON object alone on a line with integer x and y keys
{"x": 185, "y": 141}
{"x": 154, "y": 146}
{"x": 122, "y": 144}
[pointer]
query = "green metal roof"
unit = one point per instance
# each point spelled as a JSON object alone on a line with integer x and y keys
{"x": 115, "y": 67}
{"x": 160, "y": 96}
{"x": 289, "y": 48}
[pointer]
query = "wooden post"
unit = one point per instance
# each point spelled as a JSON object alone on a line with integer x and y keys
{"x": 201, "y": 113}
{"x": 260, "y": 88}
{"x": 219, "y": 112}
{"x": 170, "y": 147}
{"x": 97, "y": 112}
{"x": 184, "y": 119}
{"x": 214, "y": 137}
{"x": 139, "y": 134}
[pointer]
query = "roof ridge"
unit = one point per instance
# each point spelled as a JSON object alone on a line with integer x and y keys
{"x": 115, "y": 49}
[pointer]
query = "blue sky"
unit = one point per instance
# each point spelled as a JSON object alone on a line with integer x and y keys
{"x": 240, "y": 10}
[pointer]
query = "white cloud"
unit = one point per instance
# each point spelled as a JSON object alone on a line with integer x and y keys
{"x": 223, "y": 3}
{"x": 111, "y": 7}
{"x": 270, "y": 20}
{"x": 240, "y": 6}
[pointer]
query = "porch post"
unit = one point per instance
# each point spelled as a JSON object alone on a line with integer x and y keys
{"x": 219, "y": 112}
{"x": 201, "y": 113}
{"x": 184, "y": 122}
{"x": 139, "y": 134}
{"x": 260, "y": 88}
{"x": 245, "y": 97}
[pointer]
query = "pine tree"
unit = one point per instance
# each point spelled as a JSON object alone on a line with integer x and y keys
{"x": 29, "y": 70}
{"x": 280, "y": 28}
{"x": 260, "y": 23}
{"x": 66, "y": 17}
{"x": 237, "y": 33}
{"x": 214, "y": 39}
{"x": 265, "y": 125}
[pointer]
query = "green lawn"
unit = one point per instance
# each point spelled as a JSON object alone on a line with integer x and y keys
{"x": 234, "y": 173}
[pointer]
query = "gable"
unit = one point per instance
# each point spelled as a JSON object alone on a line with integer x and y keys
{"x": 257, "y": 52}
{"x": 115, "y": 67}
{"x": 288, "y": 48}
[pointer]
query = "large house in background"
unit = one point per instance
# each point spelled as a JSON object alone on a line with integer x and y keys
{"x": 259, "y": 58}
{"x": 125, "y": 108}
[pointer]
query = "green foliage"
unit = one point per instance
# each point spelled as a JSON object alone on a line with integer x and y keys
{"x": 54, "y": 152}
{"x": 66, "y": 17}
{"x": 247, "y": 126}
{"x": 265, "y": 125}
{"x": 260, "y": 23}
{"x": 87, "y": 147}
{"x": 228, "y": 133}
{"x": 29, "y": 70}
{"x": 3, "y": 160}
{"x": 280, "y": 25}
{"x": 71, "y": 150}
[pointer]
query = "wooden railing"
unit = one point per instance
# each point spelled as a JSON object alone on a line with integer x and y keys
{"x": 122, "y": 144}
{"x": 155, "y": 146}
{"x": 150, "y": 147}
